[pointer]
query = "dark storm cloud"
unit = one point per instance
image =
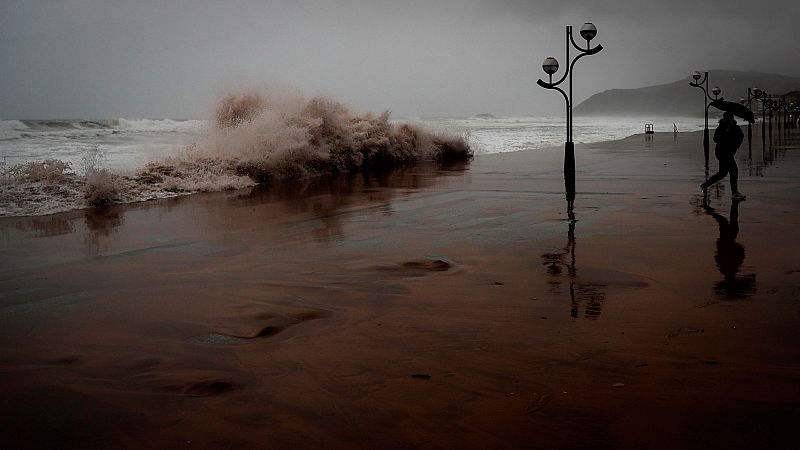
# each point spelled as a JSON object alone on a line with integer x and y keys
{"x": 105, "y": 58}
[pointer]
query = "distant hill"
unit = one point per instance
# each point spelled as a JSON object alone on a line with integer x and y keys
{"x": 680, "y": 99}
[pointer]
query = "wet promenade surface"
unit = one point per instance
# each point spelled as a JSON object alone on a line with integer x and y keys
{"x": 467, "y": 307}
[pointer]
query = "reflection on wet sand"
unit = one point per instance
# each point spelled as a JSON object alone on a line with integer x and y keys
{"x": 100, "y": 223}
{"x": 324, "y": 197}
{"x": 730, "y": 256}
{"x": 318, "y": 208}
{"x": 44, "y": 226}
{"x": 767, "y": 155}
{"x": 592, "y": 295}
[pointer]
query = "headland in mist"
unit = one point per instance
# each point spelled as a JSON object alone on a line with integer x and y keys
{"x": 680, "y": 99}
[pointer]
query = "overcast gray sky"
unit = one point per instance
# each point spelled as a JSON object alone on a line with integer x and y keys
{"x": 171, "y": 58}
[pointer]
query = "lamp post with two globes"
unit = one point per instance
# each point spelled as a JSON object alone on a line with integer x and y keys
{"x": 781, "y": 116}
{"x": 752, "y": 94}
{"x": 767, "y": 106}
{"x": 550, "y": 66}
{"x": 703, "y": 85}
{"x": 764, "y": 103}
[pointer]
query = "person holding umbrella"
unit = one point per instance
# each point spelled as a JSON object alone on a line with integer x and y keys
{"x": 728, "y": 137}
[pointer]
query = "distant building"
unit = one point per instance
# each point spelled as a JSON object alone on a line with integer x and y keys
{"x": 792, "y": 97}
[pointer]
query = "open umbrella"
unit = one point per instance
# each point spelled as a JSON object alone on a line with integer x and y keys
{"x": 737, "y": 109}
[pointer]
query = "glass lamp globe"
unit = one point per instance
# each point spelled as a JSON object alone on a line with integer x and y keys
{"x": 550, "y": 65}
{"x": 588, "y": 31}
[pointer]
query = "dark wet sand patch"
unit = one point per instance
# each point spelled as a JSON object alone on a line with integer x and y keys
{"x": 415, "y": 268}
{"x": 205, "y": 388}
{"x": 277, "y": 324}
{"x": 68, "y": 360}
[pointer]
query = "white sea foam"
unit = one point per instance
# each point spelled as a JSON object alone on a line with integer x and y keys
{"x": 163, "y": 125}
{"x": 505, "y": 134}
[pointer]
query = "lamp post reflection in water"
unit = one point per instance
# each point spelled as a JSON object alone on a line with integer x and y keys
{"x": 579, "y": 292}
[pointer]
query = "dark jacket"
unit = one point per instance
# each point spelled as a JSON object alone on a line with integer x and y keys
{"x": 728, "y": 139}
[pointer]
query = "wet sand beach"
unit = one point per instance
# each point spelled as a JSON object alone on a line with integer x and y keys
{"x": 458, "y": 307}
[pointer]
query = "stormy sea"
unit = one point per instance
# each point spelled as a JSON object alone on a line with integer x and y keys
{"x": 50, "y": 166}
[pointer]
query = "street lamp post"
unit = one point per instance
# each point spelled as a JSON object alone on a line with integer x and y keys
{"x": 703, "y": 85}
{"x": 550, "y": 66}
{"x": 764, "y": 99}
{"x": 752, "y": 94}
{"x": 771, "y": 107}
{"x": 767, "y": 106}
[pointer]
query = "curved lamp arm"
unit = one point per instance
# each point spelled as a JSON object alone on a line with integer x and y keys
{"x": 588, "y": 51}
{"x": 553, "y": 86}
{"x": 584, "y": 53}
{"x": 699, "y": 85}
{"x": 563, "y": 77}
{"x": 591, "y": 51}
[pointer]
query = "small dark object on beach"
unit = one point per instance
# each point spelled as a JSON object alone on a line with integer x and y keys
{"x": 684, "y": 330}
{"x": 269, "y": 331}
{"x": 421, "y": 376}
{"x": 436, "y": 265}
{"x": 208, "y": 388}
{"x": 538, "y": 402}
{"x": 70, "y": 360}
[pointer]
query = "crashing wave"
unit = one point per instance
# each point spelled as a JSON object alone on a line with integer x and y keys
{"x": 12, "y": 129}
{"x": 254, "y": 137}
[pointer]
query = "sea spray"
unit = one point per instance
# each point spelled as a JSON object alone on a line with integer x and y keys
{"x": 289, "y": 136}
{"x": 262, "y": 137}
{"x": 255, "y": 137}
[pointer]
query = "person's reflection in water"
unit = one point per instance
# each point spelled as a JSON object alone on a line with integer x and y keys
{"x": 730, "y": 256}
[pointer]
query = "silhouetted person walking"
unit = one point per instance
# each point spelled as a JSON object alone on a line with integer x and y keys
{"x": 728, "y": 137}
